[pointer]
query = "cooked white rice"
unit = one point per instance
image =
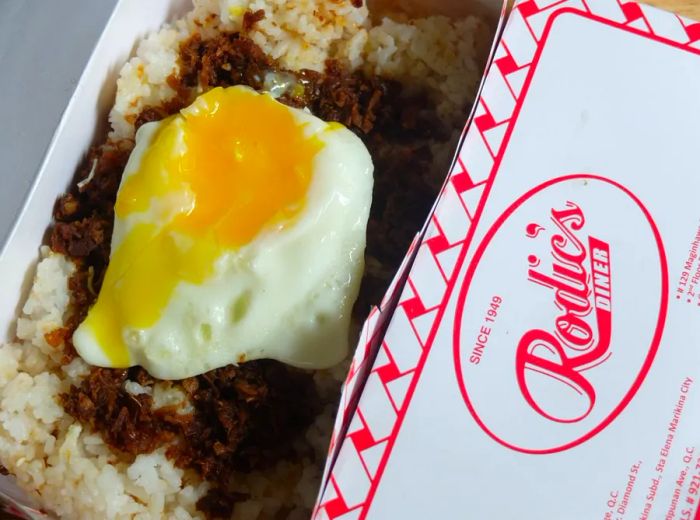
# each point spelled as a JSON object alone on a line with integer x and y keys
{"x": 436, "y": 53}
{"x": 70, "y": 470}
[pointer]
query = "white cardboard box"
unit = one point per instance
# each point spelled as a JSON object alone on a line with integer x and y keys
{"x": 543, "y": 360}
{"x": 84, "y": 123}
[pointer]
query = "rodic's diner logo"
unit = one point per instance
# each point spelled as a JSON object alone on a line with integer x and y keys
{"x": 560, "y": 314}
{"x": 571, "y": 345}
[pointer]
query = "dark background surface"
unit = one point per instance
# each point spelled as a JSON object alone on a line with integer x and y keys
{"x": 44, "y": 46}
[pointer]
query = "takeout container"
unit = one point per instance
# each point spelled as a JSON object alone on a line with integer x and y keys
{"x": 84, "y": 122}
{"x": 543, "y": 358}
{"x": 475, "y": 392}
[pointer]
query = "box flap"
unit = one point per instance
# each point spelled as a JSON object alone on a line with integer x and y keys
{"x": 571, "y": 113}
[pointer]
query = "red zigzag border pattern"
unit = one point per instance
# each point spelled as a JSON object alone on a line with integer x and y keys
{"x": 349, "y": 485}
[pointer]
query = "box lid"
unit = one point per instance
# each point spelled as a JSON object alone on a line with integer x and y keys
{"x": 542, "y": 361}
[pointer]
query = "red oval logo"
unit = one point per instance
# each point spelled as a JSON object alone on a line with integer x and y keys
{"x": 560, "y": 314}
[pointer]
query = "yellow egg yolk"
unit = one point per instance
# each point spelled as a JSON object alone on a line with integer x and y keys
{"x": 213, "y": 177}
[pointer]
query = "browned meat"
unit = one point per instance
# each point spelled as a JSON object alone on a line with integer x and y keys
{"x": 350, "y": 99}
{"x": 56, "y": 337}
{"x": 233, "y": 59}
{"x": 219, "y": 504}
{"x": 148, "y": 115}
{"x": 243, "y": 417}
{"x": 250, "y": 18}
{"x": 225, "y": 60}
{"x": 80, "y": 238}
{"x": 126, "y": 421}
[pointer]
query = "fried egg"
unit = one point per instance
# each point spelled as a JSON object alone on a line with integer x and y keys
{"x": 239, "y": 234}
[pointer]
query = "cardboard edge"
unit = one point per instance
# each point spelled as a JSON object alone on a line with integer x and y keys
{"x": 360, "y": 511}
{"x": 503, "y": 18}
{"x": 374, "y": 330}
{"x": 401, "y": 278}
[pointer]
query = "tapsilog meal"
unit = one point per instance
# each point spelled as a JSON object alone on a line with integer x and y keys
{"x": 181, "y": 349}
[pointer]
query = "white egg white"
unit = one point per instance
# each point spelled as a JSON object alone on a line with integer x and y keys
{"x": 287, "y": 295}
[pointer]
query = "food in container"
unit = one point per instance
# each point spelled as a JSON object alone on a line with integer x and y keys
{"x": 231, "y": 415}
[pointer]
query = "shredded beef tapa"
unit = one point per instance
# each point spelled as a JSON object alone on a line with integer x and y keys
{"x": 245, "y": 417}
